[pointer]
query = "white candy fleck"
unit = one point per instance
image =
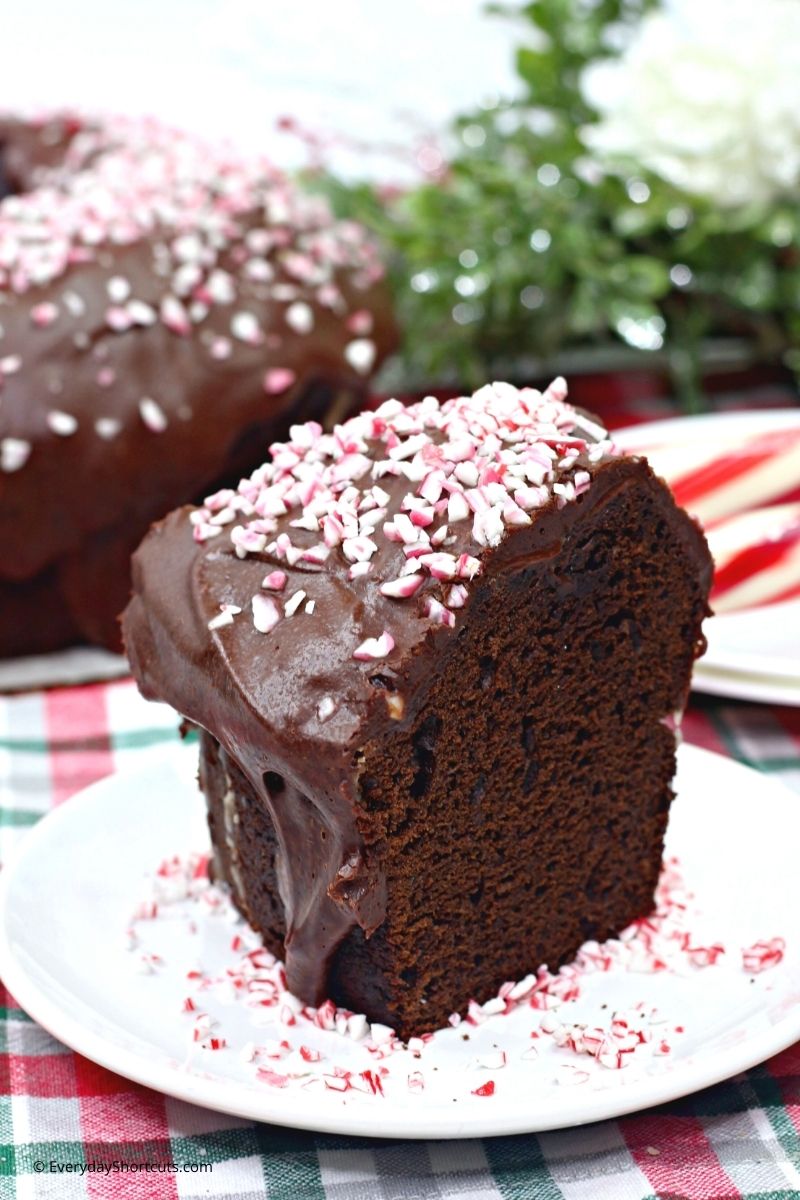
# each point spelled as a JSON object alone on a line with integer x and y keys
{"x": 291, "y": 606}
{"x": 107, "y": 427}
{"x": 378, "y": 647}
{"x": 188, "y": 248}
{"x": 300, "y": 317}
{"x": 141, "y": 313}
{"x": 360, "y": 354}
{"x": 225, "y": 617}
{"x": 220, "y": 287}
{"x": 14, "y": 453}
{"x": 266, "y": 613}
{"x": 74, "y": 304}
{"x": 61, "y": 423}
{"x": 245, "y": 327}
{"x": 118, "y": 289}
{"x": 152, "y": 415}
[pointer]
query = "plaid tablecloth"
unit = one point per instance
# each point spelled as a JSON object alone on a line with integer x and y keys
{"x": 740, "y": 1139}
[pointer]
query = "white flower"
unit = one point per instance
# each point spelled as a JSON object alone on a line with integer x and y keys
{"x": 706, "y": 95}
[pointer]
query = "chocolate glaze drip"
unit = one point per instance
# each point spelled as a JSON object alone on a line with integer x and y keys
{"x": 259, "y": 696}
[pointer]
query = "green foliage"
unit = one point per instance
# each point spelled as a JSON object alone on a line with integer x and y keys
{"x": 524, "y": 249}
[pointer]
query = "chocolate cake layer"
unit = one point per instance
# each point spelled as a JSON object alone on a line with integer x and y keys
{"x": 166, "y": 310}
{"x": 419, "y": 790}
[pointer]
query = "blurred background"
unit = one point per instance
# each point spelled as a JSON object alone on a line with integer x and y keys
{"x": 356, "y": 73}
{"x": 607, "y": 188}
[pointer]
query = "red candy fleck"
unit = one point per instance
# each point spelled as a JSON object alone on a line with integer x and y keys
{"x": 761, "y": 956}
{"x": 373, "y": 1081}
{"x": 278, "y": 379}
{"x": 273, "y": 1078}
{"x": 375, "y": 647}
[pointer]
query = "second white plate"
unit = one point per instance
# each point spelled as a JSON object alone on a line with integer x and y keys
{"x": 61, "y": 668}
{"x": 752, "y": 654}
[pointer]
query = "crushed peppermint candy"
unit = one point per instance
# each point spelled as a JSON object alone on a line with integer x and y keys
{"x": 119, "y": 289}
{"x": 275, "y": 581}
{"x": 107, "y": 427}
{"x": 763, "y": 955}
{"x": 225, "y": 617}
{"x": 14, "y": 453}
{"x": 152, "y": 414}
{"x": 278, "y": 379}
{"x": 293, "y": 603}
{"x": 292, "y": 1045}
{"x": 361, "y": 355}
{"x": 61, "y": 423}
{"x": 245, "y": 327}
{"x": 300, "y": 317}
{"x": 44, "y": 314}
{"x": 266, "y": 613}
{"x": 375, "y": 647}
{"x": 464, "y": 474}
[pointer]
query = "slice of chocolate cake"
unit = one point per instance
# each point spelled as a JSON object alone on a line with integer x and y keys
{"x": 434, "y": 655}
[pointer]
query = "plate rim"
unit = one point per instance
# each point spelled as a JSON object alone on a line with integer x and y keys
{"x": 68, "y": 667}
{"x": 246, "y": 1102}
{"x": 744, "y": 416}
{"x": 725, "y": 678}
{"x": 746, "y": 685}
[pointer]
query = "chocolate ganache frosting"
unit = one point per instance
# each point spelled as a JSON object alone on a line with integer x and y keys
{"x": 304, "y": 617}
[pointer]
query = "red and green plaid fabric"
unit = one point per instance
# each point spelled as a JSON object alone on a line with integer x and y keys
{"x": 740, "y": 1139}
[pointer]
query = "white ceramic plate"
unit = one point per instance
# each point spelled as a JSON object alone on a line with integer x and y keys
{"x": 67, "y": 898}
{"x": 80, "y": 664}
{"x": 746, "y": 685}
{"x": 753, "y": 654}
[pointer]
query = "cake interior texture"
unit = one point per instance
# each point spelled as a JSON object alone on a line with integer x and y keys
{"x": 521, "y": 808}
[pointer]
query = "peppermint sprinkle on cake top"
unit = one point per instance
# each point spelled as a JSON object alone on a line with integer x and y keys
{"x": 470, "y": 470}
